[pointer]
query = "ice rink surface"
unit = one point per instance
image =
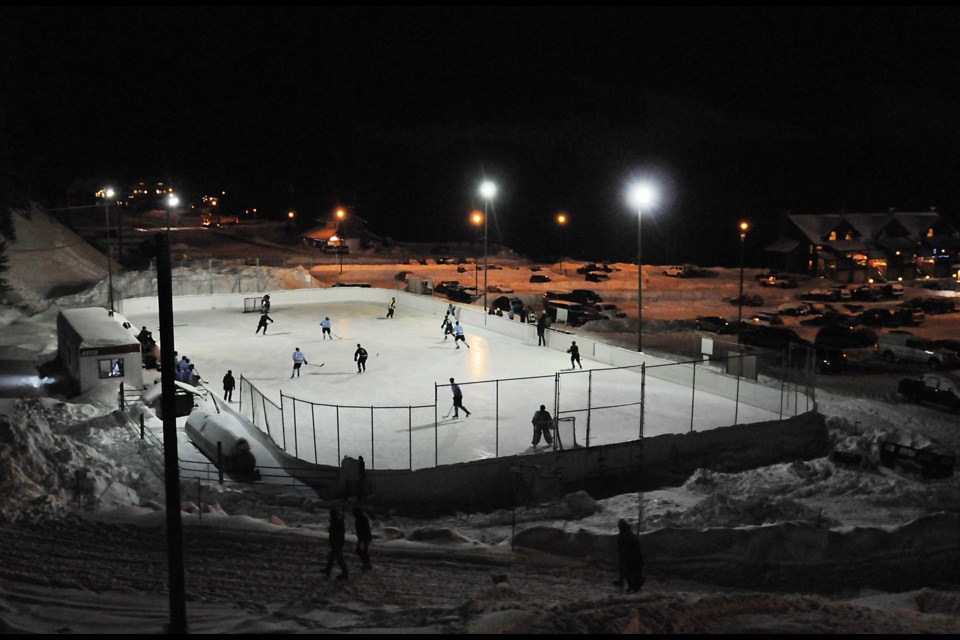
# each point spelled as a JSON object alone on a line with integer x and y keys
{"x": 408, "y": 371}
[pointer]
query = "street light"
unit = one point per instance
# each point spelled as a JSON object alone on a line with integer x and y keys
{"x": 172, "y": 202}
{"x": 476, "y": 218}
{"x": 744, "y": 226}
{"x": 488, "y": 190}
{"x": 562, "y": 219}
{"x": 108, "y": 194}
{"x": 640, "y": 195}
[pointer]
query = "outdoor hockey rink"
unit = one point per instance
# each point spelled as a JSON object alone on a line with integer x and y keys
{"x": 407, "y": 357}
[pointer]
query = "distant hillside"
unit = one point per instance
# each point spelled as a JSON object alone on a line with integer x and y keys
{"x": 47, "y": 260}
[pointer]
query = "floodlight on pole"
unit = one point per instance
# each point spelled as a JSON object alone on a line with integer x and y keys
{"x": 172, "y": 202}
{"x": 477, "y": 219}
{"x": 744, "y": 227}
{"x": 562, "y": 219}
{"x": 488, "y": 190}
{"x": 640, "y": 196}
{"x": 108, "y": 195}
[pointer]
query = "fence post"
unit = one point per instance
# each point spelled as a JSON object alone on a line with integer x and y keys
{"x": 736, "y": 401}
{"x": 338, "y": 435}
{"x": 373, "y": 454}
{"x": 121, "y": 395}
{"x": 409, "y": 433}
{"x": 296, "y": 449}
{"x": 589, "y": 402}
{"x": 313, "y": 420}
{"x": 199, "y": 501}
{"x": 643, "y": 394}
{"x": 219, "y": 462}
{"x": 496, "y": 423}
{"x": 436, "y": 422}
{"x": 693, "y": 393}
{"x": 782, "y": 365}
{"x": 141, "y": 426}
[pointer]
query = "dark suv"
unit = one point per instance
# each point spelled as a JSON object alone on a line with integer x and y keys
{"x": 586, "y": 296}
{"x": 777, "y": 338}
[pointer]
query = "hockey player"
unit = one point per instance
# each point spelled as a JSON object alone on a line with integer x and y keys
{"x": 360, "y": 357}
{"x": 574, "y": 352}
{"x": 457, "y": 399}
{"x": 264, "y": 319}
{"x": 391, "y": 307}
{"x": 541, "y": 426}
{"x": 325, "y": 326}
{"x": 447, "y": 326}
{"x": 298, "y": 359}
{"x": 265, "y": 304}
{"x": 458, "y": 336}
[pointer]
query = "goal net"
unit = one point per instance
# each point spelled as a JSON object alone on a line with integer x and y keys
{"x": 565, "y": 432}
{"x": 252, "y": 305}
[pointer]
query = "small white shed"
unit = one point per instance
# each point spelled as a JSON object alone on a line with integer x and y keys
{"x": 96, "y": 345}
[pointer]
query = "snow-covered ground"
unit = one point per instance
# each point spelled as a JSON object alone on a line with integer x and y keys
{"x": 76, "y": 477}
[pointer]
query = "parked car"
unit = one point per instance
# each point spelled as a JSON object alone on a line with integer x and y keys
{"x": 795, "y": 309}
{"x": 942, "y": 389}
{"x": 444, "y": 285}
{"x": 684, "y": 271}
{"x": 778, "y": 338}
{"x": 747, "y": 301}
{"x": 610, "y": 309}
{"x": 953, "y": 346}
{"x": 906, "y": 315}
{"x": 830, "y": 318}
{"x": 845, "y": 338}
{"x": 588, "y": 268}
{"x": 891, "y": 290}
{"x": 830, "y": 360}
{"x": 831, "y": 294}
{"x": 596, "y": 277}
{"x": 498, "y": 289}
{"x": 504, "y": 303}
{"x": 878, "y": 318}
{"x": 539, "y": 277}
{"x": 462, "y": 294}
{"x": 577, "y": 314}
{"x": 765, "y": 318}
{"x": 906, "y": 347}
{"x": 866, "y": 292}
{"x": 934, "y": 306}
{"x": 559, "y": 295}
{"x": 586, "y": 296}
{"x": 779, "y": 280}
{"x": 714, "y": 324}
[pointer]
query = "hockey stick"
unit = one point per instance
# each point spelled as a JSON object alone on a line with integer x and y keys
{"x": 449, "y": 412}
{"x": 315, "y": 365}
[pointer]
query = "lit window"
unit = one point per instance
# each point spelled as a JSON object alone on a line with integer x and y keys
{"x": 110, "y": 368}
{"x": 833, "y": 235}
{"x": 930, "y": 232}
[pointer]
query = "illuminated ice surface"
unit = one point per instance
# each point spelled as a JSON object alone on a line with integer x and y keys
{"x": 407, "y": 357}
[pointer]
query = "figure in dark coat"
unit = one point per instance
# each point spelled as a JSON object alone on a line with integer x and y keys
{"x": 574, "y": 352}
{"x": 630, "y": 563}
{"x": 364, "y": 537}
{"x": 542, "y": 329}
{"x": 229, "y": 384}
{"x": 542, "y": 423}
{"x": 336, "y": 534}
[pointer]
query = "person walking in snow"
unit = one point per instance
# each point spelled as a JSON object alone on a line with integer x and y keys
{"x": 325, "y": 327}
{"x": 458, "y": 336}
{"x": 542, "y": 424}
{"x": 364, "y": 537}
{"x": 264, "y": 319}
{"x": 229, "y": 384}
{"x": 574, "y": 352}
{"x": 457, "y": 400}
{"x": 298, "y": 359}
{"x": 360, "y": 357}
{"x": 336, "y": 535}
{"x": 391, "y": 307}
{"x": 630, "y": 559}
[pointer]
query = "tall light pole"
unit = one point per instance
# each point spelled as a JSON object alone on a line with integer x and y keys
{"x": 108, "y": 194}
{"x": 476, "y": 218}
{"x": 744, "y": 226}
{"x": 172, "y": 202}
{"x": 488, "y": 190}
{"x": 341, "y": 214}
{"x": 641, "y": 195}
{"x": 562, "y": 220}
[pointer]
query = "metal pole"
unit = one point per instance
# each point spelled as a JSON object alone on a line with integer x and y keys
{"x": 410, "y": 435}
{"x": 589, "y": 400}
{"x": 643, "y": 394}
{"x": 781, "y": 385}
{"x": 496, "y": 418}
{"x": 313, "y": 421}
{"x": 175, "y": 573}
{"x": 436, "y": 422}
{"x": 639, "y": 279}
{"x": 693, "y": 393}
{"x": 486, "y": 216}
{"x": 373, "y": 458}
{"x": 338, "y": 435}
{"x": 736, "y": 401}
{"x": 296, "y": 446}
{"x": 740, "y": 299}
{"x": 109, "y": 255}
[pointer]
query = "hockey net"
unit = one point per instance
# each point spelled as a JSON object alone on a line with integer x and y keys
{"x": 252, "y": 305}
{"x": 565, "y": 432}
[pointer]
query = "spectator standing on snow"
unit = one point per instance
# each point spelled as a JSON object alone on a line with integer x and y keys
{"x": 360, "y": 357}
{"x": 264, "y": 319}
{"x": 542, "y": 424}
{"x": 364, "y": 537}
{"x": 574, "y": 352}
{"x": 542, "y": 329}
{"x": 458, "y": 336}
{"x": 229, "y": 384}
{"x": 193, "y": 376}
{"x": 183, "y": 370}
{"x": 325, "y": 326}
{"x": 630, "y": 559}
{"x": 457, "y": 400}
{"x": 336, "y": 535}
{"x": 298, "y": 359}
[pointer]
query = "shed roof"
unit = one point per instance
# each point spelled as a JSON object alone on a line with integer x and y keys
{"x": 97, "y": 328}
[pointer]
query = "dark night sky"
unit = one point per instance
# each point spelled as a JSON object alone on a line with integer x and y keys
{"x": 400, "y": 113}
